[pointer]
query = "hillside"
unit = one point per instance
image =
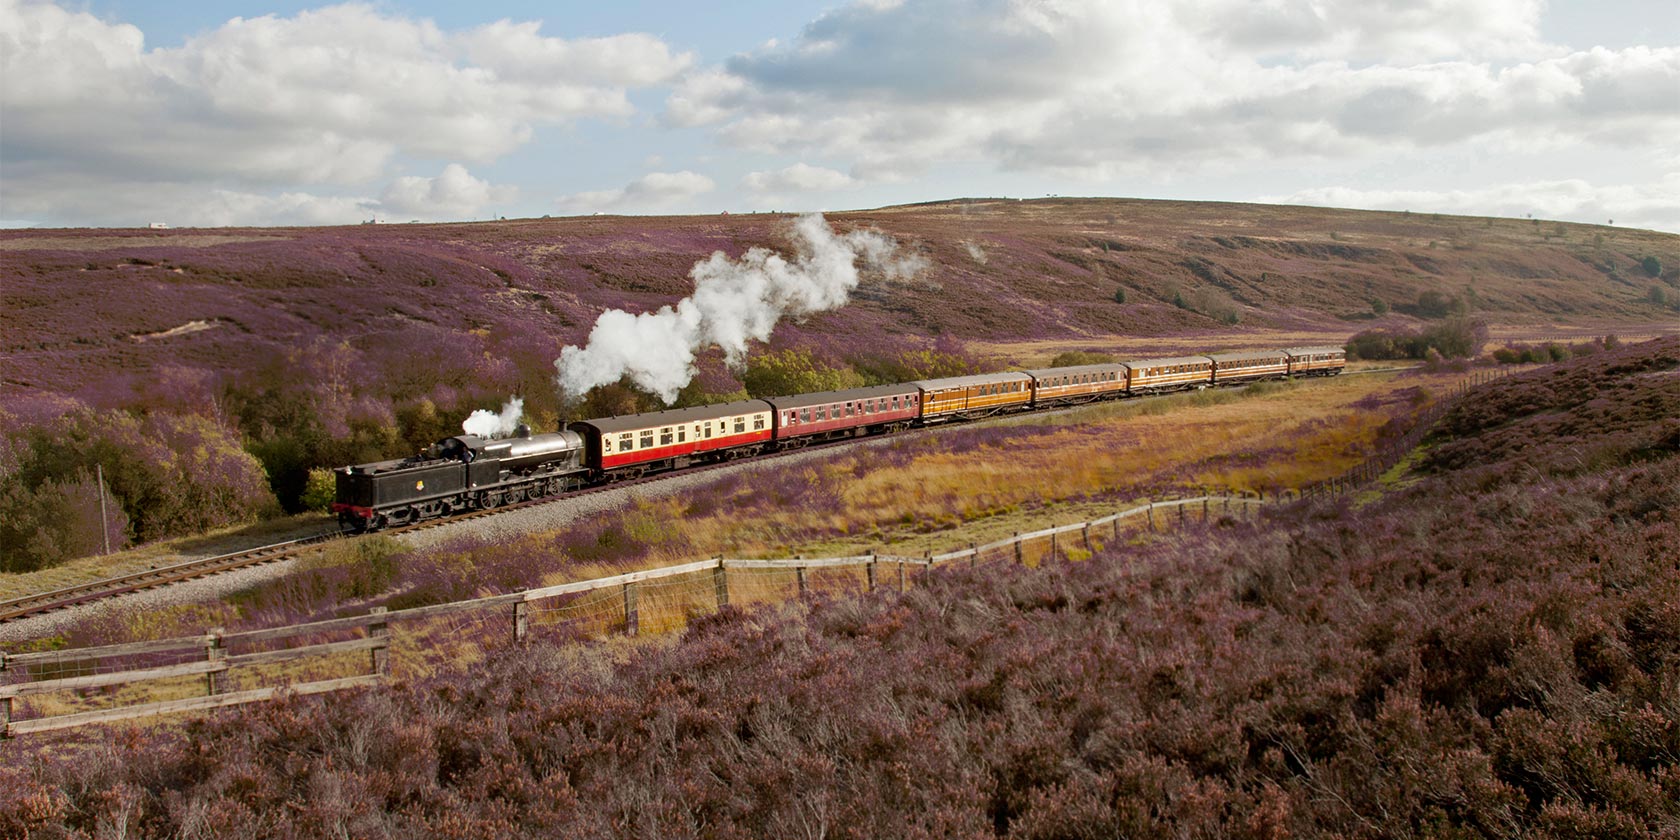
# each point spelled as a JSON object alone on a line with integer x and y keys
{"x": 87, "y": 309}
{"x": 214, "y": 375}
{"x": 1487, "y": 648}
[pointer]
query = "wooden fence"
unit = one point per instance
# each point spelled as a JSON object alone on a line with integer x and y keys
{"x": 211, "y": 669}
{"x": 627, "y": 603}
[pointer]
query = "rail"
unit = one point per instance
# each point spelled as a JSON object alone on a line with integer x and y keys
{"x": 625, "y": 608}
{"x": 220, "y": 659}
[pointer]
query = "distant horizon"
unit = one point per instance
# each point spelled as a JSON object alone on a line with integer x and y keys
{"x": 164, "y": 225}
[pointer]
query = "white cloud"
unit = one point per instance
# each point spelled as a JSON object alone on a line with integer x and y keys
{"x": 453, "y": 194}
{"x": 330, "y": 97}
{"x": 1102, "y": 89}
{"x": 1655, "y": 205}
{"x": 655, "y": 190}
{"x": 800, "y": 177}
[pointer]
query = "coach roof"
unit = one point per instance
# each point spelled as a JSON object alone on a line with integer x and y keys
{"x": 967, "y": 381}
{"x": 675, "y": 416}
{"x": 848, "y": 395}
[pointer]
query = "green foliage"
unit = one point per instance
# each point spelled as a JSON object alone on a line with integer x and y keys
{"x": 1652, "y": 266}
{"x": 45, "y": 525}
{"x": 166, "y": 475}
{"x": 1120, "y": 294}
{"x": 1458, "y": 337}
{"x": 320, "y": 490}
{"x": 795, "y": 370}
{"x": 1379, "y": 306}
{"x": 1433, "y": 304}
{"x": 1075, "y": 358}
{"x": 911, "y": 365}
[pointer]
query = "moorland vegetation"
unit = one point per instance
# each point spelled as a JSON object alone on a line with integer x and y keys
{"x": 1488, "y": 644}
{"x": 213, "y": 376}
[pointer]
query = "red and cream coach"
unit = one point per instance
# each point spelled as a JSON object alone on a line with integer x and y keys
{"x": 624, "y": 447}
{"x": 830, "y": 415}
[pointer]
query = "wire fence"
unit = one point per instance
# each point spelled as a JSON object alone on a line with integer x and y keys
{"x": 51, "y": 690}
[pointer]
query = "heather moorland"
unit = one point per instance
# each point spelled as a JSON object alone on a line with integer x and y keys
{"x": 214, "y": 376}
{"x": 1485, "y": 644}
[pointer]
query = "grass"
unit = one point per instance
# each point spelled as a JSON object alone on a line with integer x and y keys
{"x": 162, "y": 553}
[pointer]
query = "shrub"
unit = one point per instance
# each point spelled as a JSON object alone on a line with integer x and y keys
{"x": 1652, "y": 266}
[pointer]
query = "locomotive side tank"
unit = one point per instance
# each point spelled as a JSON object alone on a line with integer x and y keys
{"x": 458, "y": 473}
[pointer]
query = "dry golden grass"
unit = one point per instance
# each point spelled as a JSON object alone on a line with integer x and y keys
{"x": 1077, "y": 466}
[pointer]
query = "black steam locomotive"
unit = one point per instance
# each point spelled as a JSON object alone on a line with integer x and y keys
{"x": 473, "y": 473}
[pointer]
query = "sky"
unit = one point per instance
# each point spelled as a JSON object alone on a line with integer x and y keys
{"x": 115, "y": 113}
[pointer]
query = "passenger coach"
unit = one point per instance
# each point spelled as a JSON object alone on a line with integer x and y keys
{"x": 1082, "y": 383}
{"x": 968, "y": 397}
{"x": 1175, "y": 373}
{"x": 1248, "y": 366}
{"x": 663, "y": 440}
{"x": 828, "y": 415}
{"x": 1316, "y": 361}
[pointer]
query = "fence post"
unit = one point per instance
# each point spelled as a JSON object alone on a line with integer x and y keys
{"x": 631, "y": 619}
{"x": 799, "y": 572}
{"x": 869, "y": 572}
{"x": 1019, "y": 559}
{"x": 1052, "y": 557}
{"x": 382, "y": 654}
{"x": 1150, "y": 515}
{"x": 1181, "y": 514}
{"x": 1086, "y": 531}
{"x": 1117, "y": 526}
{"x": 5, "y": 705}
{"x": 213, "y": 653}
{"x": 974, "y": 558}
{"x": 521, "y": 624}
{"x": 901, "y": 576}
{"x": 1204, "y": 510}
{"x": 720, "y": 584}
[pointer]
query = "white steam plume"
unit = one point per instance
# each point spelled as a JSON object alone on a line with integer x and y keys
{"x": 488, "y": 424}
{"x": 734, "y": 302}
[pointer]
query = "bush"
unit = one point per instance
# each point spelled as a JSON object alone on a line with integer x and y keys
{"x": 1652, "y": 266}
{"x": 321, "y": 490}
{"x": 1456, "y": 338}
{"x": 166, "y": 474}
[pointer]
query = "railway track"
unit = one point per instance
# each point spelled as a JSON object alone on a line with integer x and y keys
{"x": 113, "y": 587}
{"x": 99, "y": 590}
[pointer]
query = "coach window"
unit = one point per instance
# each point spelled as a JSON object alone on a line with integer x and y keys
{"x": 758, "y": 424}
{"x": 646, "y": 439}
{"x": 708, "y": 428}
{"x": 606, "y": 444}
{"x": 666, "y": 437}
{"x": 804, "y": 415}
{"x": 740, "y": 425}
{"x": 625, "y": 442}
{"x": 682, "y": 434}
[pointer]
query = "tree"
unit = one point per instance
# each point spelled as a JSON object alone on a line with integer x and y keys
{"x": 320, "y": 490}
{"x": 1379, "y": 306}
{"x": 1652, "y": 266}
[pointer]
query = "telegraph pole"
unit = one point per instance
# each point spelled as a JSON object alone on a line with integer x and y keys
{"x": 104, "y": 522}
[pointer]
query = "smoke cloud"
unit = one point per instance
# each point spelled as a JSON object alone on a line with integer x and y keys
{"x": 734, "y": 303}
{"x": 488, "y": 424}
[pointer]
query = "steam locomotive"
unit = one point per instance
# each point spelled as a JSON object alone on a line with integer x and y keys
{"x": 468, "y": 472}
